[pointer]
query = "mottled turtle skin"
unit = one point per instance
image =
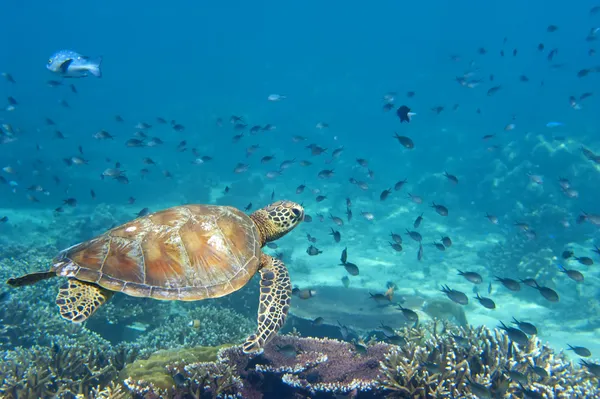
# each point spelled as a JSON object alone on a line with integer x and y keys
{"x": 185, "y": 253}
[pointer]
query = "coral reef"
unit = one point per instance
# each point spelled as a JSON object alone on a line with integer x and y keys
{"x": 434, "y": 363}
{"x": 65, "y": 370}
{"x": 215, "y": 326}
{"x": 154, "y": 369}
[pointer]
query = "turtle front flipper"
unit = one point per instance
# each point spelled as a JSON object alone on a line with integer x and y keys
{"x": 275, "y": 297}
{"x": 29, "y": 279}
{"x": 78, "y": 300}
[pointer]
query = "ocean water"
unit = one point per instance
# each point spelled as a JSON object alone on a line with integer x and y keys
{"x": 337, "y": 66}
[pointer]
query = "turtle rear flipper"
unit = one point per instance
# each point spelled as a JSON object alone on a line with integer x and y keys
{"x": 29, "y": 279}
{"x": 275, "y": 297}
{"x": 78, "y": 300}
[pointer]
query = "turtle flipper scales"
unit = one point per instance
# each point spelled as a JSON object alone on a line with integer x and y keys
{"x": 78, "y": 300}
{"x": 275, "y": 297}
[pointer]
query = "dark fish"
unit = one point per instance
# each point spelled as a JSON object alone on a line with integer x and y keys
{"x": 73, "y": 88}
{"x": 455, "y": 296}
{"x": 439, "y": 246}
{"x": 345, "y": 281}
{"x": 529, "y": 282}
{"x": 573, "y": 274}
{"x": 385, "y": 194}
{"x": 493, "y": 90}
{"x": 143, "y": 212}
{"x": 447, "y": 241}
{"x": 593, "y": 368}
{"x": 418, "y": 221}
{"x": 338, "y": 221}
{"x": 567, "y": 254}
{"x": 320, "y": 198}
{"x": 405, "y": 141}
{"x": 403, "y": 114}
{"x": 396, "y": 237}
{"x": 440, "y": 209}
{"x": 351, "y": 268}
{"x": 472, "y": 277}
{"x": 398, "y": 186}
{"x": 547, "y": 293}
{"x": 509, "y": 283}
{"x": 415, "y": 235}
{"x": 397, "y": 247}
{"x": 336, "y": 235}
{"x": 387, "y": 330}
{"x": 317, "y": 322}
{"x": 420, "y": 252}
{"x": 409, "y": 315}
{"x": 312, "y": 250}
{"x": 344, "y": 256}
{"x": 584, "y": 260}
{"x": 450, "y": 177}
{"x": 70, "y": 201}
{"x": 540, "y": 371}
{"x": 552, "y": 28}
{"x": 515, "y": 334}
{"x": 486, "y": 302}
{"x": 4, "y": 219}
{"x": 93, "y": 194}
{"x": 580, "y": 350}
{"x": 527, "y": 328}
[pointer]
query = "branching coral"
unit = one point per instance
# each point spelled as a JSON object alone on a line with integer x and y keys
{"x": 480, "y": 362}
{"x": 59, "y": 371}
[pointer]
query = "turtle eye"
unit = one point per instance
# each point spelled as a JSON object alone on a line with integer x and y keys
{"x": 296, "y": 212}
{"x": 50, "y": 61}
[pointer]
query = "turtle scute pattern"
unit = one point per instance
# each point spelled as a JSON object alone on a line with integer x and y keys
{"x": 186, "y": 253}
{"x": 274, "y": 303}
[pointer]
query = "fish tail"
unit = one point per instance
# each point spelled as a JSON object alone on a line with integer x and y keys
{"x": 94, "y": 67}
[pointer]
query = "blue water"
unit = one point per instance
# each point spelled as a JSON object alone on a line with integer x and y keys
{"x": 334, "y": 61}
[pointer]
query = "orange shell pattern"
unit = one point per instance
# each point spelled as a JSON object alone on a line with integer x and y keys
{"x": 185, "y": 253}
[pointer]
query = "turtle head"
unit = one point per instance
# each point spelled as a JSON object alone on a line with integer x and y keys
{"x": 277, "y": 219}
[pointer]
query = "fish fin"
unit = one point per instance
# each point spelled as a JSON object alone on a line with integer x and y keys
{"x": 94, "y": 67}
{"x": 65, "y": 65}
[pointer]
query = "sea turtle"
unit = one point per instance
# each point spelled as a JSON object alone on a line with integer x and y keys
{"x": 185, "y": 253}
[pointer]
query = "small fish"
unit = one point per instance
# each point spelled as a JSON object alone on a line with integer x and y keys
{"x": 418, "y": 221}
{"x": 472, "y": 277}
{"x": 4, "y": 219}
{"x": 70, "y": 64}
{"x": 312, "y": 251}
{"x": 440, "y": 209}
{"x": 527, "y": 328}
{"x": 398, "y": 186}
{"x": 455, "y": 296}
{"x": 515, "y": 334}
{"x": 405, "y": 141}
{"x": 380, "y": 299}
{"x": 486, "y": 302}
{"x": 306, "y": 293}
{"x": 580, "y": 350}
{"x": 384, "y": 194}
{"x": 450, "y": 177}
{"x": 404, "y": 114}
{"x": 346, "y": 281}
{"x": 509, "y": 283}
{"x": 276, "y": 97}
{"x": 351, "y": 268}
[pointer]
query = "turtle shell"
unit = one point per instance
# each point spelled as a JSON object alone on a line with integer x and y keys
{"x": 186, "y": 253}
